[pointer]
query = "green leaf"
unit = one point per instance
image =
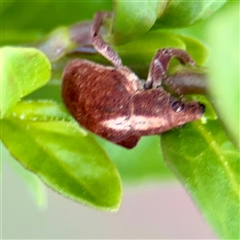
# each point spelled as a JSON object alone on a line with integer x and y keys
{"x": 179, "y": 14}
{"x": 139, "y": 53}
{"x": 224, "y": 68}
{"x": 143, "y": 163}
{"x": 23, "y": 70}
{"x": 207, "y": 164}
{"x": 45, "y": 140}
{"x": 132, "y": 14}
{"x": 140, "y": 16}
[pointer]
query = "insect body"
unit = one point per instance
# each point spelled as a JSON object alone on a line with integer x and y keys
{"x": 113, "y": 103}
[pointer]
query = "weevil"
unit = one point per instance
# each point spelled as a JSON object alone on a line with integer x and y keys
{"x": 112, "y": 102}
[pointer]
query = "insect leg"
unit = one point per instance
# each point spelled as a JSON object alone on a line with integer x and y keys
{"x": 99, "y": 44}
{"x": 159, "y": 65}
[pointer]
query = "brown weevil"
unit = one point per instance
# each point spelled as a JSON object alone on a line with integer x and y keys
{"x": 115, "y": 104}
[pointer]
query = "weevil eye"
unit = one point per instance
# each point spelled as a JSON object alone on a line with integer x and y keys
{"x": 177, "y": 106}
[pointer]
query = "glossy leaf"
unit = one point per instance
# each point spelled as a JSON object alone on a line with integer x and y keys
{"x": 207, "y": 164}
{"x": 179, "y": 14}
{"x": 133, "y": 14}
{"x": 224, "y": 68}
{"x": 139, "y": 17}
{"x": 139, "y": 53}
{"x": 146, "y": 46}
{"x": 46, "y": 140}
{"x": 23, "y": 70}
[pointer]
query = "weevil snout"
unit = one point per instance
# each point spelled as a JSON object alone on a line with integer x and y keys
{"x": 201, "y": 108}
{"x": 196, "y": 110}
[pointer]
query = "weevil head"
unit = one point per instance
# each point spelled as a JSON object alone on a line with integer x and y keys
{"x": 182, "y": 112}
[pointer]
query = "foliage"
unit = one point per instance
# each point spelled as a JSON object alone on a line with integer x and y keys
{"x": 39, "y": 132}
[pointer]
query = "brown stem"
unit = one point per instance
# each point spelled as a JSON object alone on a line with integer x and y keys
{"x": 190, "y": 81}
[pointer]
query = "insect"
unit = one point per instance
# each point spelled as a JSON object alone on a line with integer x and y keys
{"x": 114, "y": 103}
